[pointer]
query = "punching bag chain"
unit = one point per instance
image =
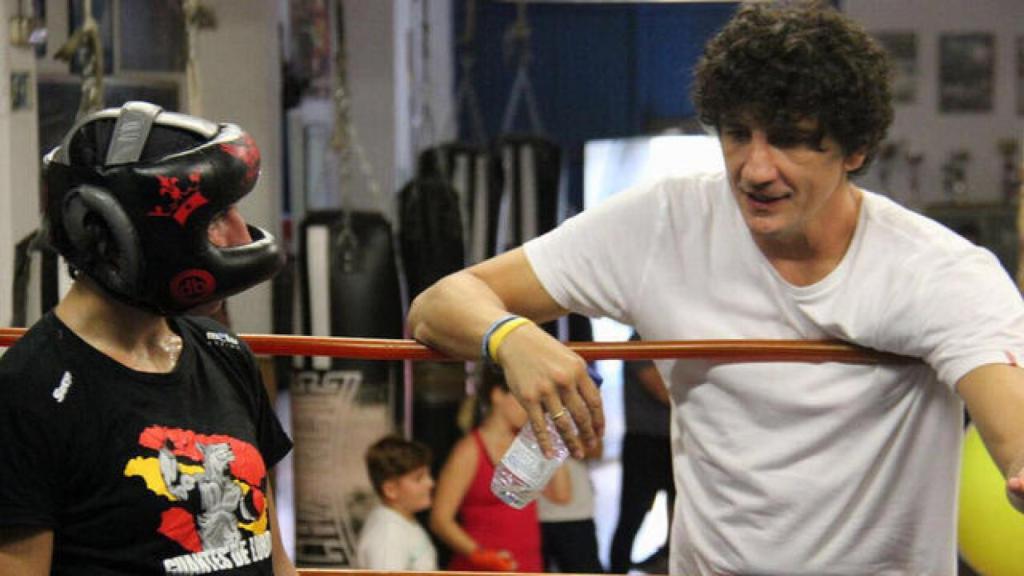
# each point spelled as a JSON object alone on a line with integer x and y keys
{"x": 517, "y": 42}
{"x": 86, "y": 45}
{"x": 345, "y": 139}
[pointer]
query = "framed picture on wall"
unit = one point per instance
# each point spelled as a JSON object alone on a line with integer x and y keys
{"x": 902, "y": 49}
{"x": 966, "y": 72}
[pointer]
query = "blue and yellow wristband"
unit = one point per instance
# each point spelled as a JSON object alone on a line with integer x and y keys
{"x": 497, "y": 333}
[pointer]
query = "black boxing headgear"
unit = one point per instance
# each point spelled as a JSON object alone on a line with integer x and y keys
{"x": 130, "y": 194}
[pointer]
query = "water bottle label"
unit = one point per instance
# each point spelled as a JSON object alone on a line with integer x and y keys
{"x": 529, "y": 464}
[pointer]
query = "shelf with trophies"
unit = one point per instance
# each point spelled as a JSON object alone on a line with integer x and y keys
{"x": 993, "y": 224}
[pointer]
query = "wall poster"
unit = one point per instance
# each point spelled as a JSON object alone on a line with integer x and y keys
{"x": 902, "y": 49}
{"x": 966, "y": 72}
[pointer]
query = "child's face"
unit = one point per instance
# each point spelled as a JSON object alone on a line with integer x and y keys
{"x": 412, "y": 491}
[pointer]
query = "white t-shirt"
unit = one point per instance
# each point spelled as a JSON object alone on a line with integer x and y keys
{"x": 798, "y": 468}
{"x": 390, "y": 541}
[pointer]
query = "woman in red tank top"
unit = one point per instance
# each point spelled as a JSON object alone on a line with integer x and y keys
{"x": 483, "y": 532}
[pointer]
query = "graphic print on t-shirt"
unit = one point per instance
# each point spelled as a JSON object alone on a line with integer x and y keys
{"x": 216, "y": 509}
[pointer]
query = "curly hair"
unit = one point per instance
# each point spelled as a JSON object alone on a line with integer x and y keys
{"x": 783, "y": 64}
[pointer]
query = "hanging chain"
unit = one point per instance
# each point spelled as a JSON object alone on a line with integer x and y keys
{"x": 345, "y": 141}
{"x": 197, "y": 17}
{"x": 517, "y": 37}
{"x": 517, "y": 45}
{"x": 428, "y": 135}
{"x": 465, "y": 94}
{"x": 87, "y": 45}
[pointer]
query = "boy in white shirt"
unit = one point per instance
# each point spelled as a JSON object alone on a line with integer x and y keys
{"x": 392, "y": 539}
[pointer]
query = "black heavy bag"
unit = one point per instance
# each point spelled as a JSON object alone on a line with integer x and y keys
{"x": 466, "y": 168}
{"x": 358, "y": 265}
{"x": 340, "y": 407}
{"x": 39, "y": 281}
{"x": 433, "y": 246}
{"x": 284, "y": 319}
{"x": 525, "y": 177}
{"x": 431, "y": 231}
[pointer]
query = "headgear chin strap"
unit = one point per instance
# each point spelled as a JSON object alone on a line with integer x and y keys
{"x": 130, "y": 195}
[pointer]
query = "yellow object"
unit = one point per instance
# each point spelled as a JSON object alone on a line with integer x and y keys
{"x": 499, "y": 336}
{"x": 990, "y": 530}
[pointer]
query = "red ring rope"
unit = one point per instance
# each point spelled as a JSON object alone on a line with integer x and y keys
{"x": 718, "y": 350}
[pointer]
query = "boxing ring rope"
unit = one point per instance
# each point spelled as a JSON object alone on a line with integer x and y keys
{"x": 354, "y": 572}
{"x": 715, "y": 350}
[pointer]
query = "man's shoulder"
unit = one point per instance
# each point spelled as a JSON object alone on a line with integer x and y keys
{"x": 907, "y": 233}
{"x": 673, "y": 197}
{"x": 697, "y": 183}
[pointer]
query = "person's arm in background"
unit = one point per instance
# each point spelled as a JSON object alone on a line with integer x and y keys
{"x": 26, "y": 551}
{"x": 994, "y": 395}
{"x": 454, "y": 314}
{"x": 559, "y": 488}
{"x": 452, "y": 485}
{"x": 647, "y": 374}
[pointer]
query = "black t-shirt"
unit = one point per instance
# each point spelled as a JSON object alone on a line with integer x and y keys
{"x": 139, "y": 473}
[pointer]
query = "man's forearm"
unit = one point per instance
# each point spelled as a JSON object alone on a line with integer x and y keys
{"x": 453, "y": 314}
{"x": 995, "y": 398}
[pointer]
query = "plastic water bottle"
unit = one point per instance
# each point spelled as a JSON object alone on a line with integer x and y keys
{"x": 524, "y": 471}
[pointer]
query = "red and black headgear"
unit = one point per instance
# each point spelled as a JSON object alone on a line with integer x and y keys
{"x": 129, "y": 197}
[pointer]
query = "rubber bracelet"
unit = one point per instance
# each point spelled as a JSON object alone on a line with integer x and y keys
{"x": 499, "y": 336}
{"x": 484, "y": 355}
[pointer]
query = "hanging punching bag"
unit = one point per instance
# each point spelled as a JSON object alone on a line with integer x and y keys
{"x": 525, "y": 181}
{"x": 350, "y": 288}
{"x": 432, "y": 237}
{"x": 39, "y": 281}
{"x": 525, "y": 177}
{"x": 431, "y": 227}
{"x": 466, "y": 168}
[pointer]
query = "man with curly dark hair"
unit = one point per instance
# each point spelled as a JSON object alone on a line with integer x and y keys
{"x": 781, "y": 68}
{"x": 781, "y": 467}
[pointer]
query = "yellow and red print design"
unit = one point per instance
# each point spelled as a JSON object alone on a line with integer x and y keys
{"x": 212, "y": 484}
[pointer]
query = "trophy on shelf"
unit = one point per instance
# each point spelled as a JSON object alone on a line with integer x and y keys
{"x": 954, "y": 175}
{"x": 1011, "y": 181}
{"x": 894, "y": 155}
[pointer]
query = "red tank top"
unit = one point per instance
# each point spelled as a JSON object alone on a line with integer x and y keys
{"x": 494, "y": 524}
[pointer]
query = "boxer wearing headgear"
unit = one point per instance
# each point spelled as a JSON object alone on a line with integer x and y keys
{"x": 134, "y": 438}
{"x": 136, "y": 218}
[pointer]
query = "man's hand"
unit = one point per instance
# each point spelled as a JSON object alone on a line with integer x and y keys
{"x": 548, "y": 378}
